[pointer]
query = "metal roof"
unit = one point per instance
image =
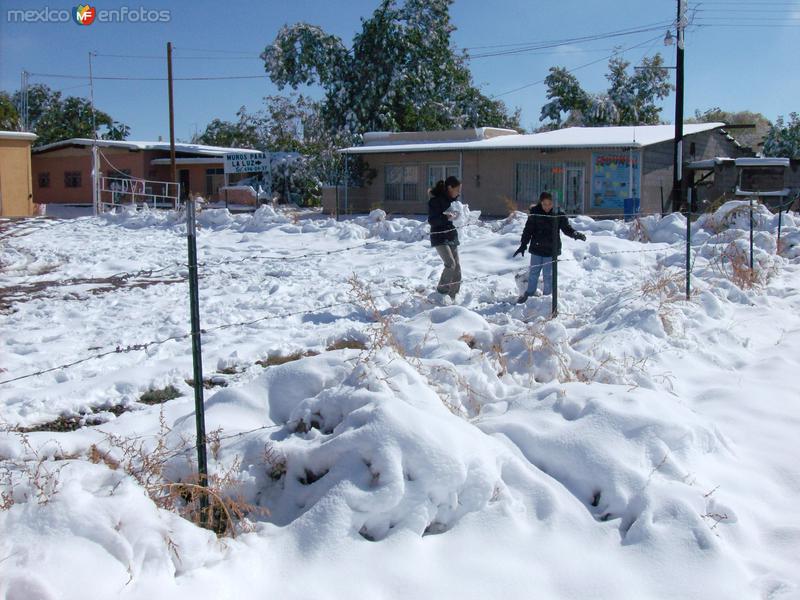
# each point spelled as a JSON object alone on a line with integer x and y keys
{"x": 571, "y": 137}
{"x": 142, "y": 145}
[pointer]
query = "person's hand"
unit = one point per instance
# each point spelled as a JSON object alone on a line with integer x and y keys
{"x": 580, "y": 236}
{"x": 520, "y": 251}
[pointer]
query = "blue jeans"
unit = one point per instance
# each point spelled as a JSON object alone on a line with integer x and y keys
{"x": 539, "y": 263}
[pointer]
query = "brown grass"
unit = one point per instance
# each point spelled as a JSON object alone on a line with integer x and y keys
{"x": 279, "y": 359}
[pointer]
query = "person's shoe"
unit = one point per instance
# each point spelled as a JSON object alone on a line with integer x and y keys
{"x": 524, "y": 298}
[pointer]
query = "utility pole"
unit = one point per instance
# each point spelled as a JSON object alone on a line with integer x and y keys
{"x": 172, "y": 172}
{"x": 677, "y": 180}
{"x": 95, "y": 162}
{"x": 23, "y": 102}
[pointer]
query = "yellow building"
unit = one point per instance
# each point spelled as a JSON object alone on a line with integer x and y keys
{"x": 16, "y": 192}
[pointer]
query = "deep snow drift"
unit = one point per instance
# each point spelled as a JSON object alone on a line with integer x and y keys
{"x": 385, "y": 445}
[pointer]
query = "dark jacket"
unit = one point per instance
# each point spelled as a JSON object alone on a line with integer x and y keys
{"x": 442, "y": 229}
{"x": 540, "y": 230}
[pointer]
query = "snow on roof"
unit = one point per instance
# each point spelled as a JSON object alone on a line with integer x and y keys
{"x": 709, "y": 163}
{"x": 140, "y": 145}
{"x": 571, "y": 137}
{"x": 762, "y": 162}
{"x": 17, "y": 135}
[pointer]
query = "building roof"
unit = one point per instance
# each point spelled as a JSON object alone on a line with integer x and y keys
{"x": 139, "y": 145}
{"x": 747, "y": 161}
{"x": 762, "y": 162}
{"x": 208, "y": 160}
{"x": 571, "y": 137}
{"x": 17, "y": 135}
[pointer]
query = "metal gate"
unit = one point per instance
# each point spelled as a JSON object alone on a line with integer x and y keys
{"x": 114, "y": 192}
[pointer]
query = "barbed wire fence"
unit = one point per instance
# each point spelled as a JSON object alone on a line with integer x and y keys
{"x": 625, "y": 295}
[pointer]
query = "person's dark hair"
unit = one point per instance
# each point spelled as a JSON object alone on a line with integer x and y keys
{"x": 545, "y": 195}
{"x": 440, "y": 189}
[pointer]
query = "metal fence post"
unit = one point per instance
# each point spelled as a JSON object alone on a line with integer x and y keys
{"x": 751, "y": 235}
{"x": 689, "y": 244}
{"x": 197, "y": 361}
{"x": 554, "y": 265}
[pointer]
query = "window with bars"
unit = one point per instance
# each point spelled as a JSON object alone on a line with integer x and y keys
{"x": 44, "y": 179}
{"x": 442, "y": 172}
{"x": 563, "y": 179}
{"x": 402, "y": 184}
{"x": 72, "y": 179}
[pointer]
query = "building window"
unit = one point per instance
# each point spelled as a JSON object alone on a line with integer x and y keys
{"x": 442, "y": 172}
{"x": 564, "y": 180}
{"x": 44, "y": 180}
{"x": 72, "y": 179}
{"x": 215, "y": 179}
{"x": 402, "y": 184}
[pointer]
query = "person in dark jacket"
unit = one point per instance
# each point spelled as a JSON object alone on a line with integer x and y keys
{"x": 542, "y": 238}
{"x": 444, "y": 236}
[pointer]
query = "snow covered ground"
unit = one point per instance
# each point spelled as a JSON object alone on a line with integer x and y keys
{"x": 636, "y": 446}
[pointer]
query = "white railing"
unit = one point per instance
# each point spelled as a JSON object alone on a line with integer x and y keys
{"x": 113, "y": 192}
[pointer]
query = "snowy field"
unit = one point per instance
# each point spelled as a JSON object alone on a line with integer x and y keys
{"x": 373, "y": 443}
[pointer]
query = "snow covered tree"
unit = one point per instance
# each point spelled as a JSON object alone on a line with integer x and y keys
{"x": 752, "y": 138}
{"x": 244, "y": 133}
{"x": 402, "y": 73}
{"x": 783, "y": 139}
{"x": 629, "y": 100}
{"x": 287, "y": 124}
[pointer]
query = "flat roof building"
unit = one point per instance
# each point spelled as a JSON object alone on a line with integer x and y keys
{"x": 589, "y": 170}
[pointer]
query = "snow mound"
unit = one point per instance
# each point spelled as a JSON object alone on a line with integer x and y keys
{"x": 372, "y": 450}
{"x": 131, "y": 218}
{"x": 735, "y": 214}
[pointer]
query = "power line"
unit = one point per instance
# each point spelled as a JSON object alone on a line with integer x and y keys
{"x": 572, "y": 70}
{"x": 127, "y": 78}
{"x": 544, "y": 45}
{"x": 159, "y": 57}
{"x": 566, "y": 40}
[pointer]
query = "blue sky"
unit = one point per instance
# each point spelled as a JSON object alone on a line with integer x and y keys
{"x": 739, "y": 55}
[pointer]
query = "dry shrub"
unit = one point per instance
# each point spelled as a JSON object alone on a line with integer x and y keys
{"x": 275, "y": 461}
{"x": 381, "y": 335}
{"x": 733, "y": 263}
{"x": 667, "y": 287}
{"x": 37, "y": 471}
{"x": 219, "y": 503}
{"x": 638, "y": 232}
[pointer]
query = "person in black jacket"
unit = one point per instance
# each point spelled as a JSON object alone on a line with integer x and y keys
{"x": 444, "y": 236}
{"x": 542, "y": 237}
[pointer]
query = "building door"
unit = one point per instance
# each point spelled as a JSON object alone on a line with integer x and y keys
{"x": 183, "y": 178}
{"x": 573, "y": 198}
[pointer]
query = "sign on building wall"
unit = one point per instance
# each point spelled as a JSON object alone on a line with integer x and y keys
{"x": 236, "y": 162}
{"x": 613, "y": 180}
